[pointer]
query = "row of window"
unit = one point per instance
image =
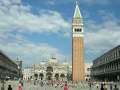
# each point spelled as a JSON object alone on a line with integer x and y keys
{"x": 78, "y": 30}
{"x": 108, "y": 68}
{"x": 107, "y": 58}
{"x": 6, "y": 63}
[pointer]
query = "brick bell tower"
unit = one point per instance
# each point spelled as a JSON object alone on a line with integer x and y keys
{"x": 78, "y": 72}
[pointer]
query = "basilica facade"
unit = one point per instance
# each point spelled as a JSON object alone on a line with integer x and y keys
{"x": 50, "y": 70}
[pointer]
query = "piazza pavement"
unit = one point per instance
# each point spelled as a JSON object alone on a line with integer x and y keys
{"x": 31, "y": 86}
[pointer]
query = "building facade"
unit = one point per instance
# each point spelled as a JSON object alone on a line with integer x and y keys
{"x": 19, "y": 64}
{"x": 88, "y": 71}
{"x": 28, "y": 73}
{"x": 78, "y": 72}
{"x": 50, "y": 70}
{"x": 107, "y": 66}
{"x": 8, "y": 68}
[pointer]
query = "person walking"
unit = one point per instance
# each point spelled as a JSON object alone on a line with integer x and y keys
{"x": 97, "y": 85}
{"x": 65, "y": 86}
{"x": 90, "y": 85}
{"x": 105, "y": 86}
{"x": 116, "y": 88}
{"x": 9, "y": 87}
{"x": 20, "y": 85}
{"x": 111, "y": 88}
{"x": 102, "y": 87}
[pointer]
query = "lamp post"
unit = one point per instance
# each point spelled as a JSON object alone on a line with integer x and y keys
{"x": 118, "y": 78}
{"x": 18, "y": 71}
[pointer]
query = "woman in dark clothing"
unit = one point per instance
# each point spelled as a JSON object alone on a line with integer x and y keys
{"x": 9, "y": 87}
{"x": 102, "y": 87}
{"x": 111, "y": 88}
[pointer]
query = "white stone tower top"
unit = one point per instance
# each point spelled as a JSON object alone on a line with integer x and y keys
{"x": 77, "y": 13}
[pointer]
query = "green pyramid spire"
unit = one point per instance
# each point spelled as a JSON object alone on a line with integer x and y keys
{"x": 77, "y": 13}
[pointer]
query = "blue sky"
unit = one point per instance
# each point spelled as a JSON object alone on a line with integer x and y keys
{"x": 36, "y": 30}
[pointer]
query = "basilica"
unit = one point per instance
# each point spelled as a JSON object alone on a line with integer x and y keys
{"x": 49, "y": 70}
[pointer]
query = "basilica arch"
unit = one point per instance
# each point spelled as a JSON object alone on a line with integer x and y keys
{"x": 49, "y": 76}
{"x": 41, "y": 76}
{"x": 49, "y": 69}
{"x": 57, "y": 76}
{"x": 36, "y": 76}
{"x": 62, "y": 75}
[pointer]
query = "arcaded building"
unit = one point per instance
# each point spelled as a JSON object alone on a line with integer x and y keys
{"x": 107, "y": 66}
{"x": 8, "y": 68}
{"x": 78, "y": 72}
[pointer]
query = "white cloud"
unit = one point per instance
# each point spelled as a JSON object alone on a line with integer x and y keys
{"x": 102, "y": 37}
{"x": 15, "y": 16}
{"x": 51, "y": 2}
{"x": 103, "y": 2}
{"x": 88, "y": 2}
{"x": 30, "y": 52}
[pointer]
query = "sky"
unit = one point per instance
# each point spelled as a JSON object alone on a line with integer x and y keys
{"x": 36, "y": 30}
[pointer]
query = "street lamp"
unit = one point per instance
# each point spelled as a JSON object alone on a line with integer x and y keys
{"x": 118, "y": 78}
{"x": 18, "y": 71}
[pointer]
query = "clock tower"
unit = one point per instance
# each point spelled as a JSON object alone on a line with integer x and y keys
{"x": 78, "y": 72}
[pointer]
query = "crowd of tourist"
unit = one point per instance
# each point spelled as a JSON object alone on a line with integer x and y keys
{"x": 90, "y": 85}
{"x": 65, "y": 85}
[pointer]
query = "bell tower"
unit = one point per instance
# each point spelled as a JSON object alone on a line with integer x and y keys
{"x": 78, "y": 72}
